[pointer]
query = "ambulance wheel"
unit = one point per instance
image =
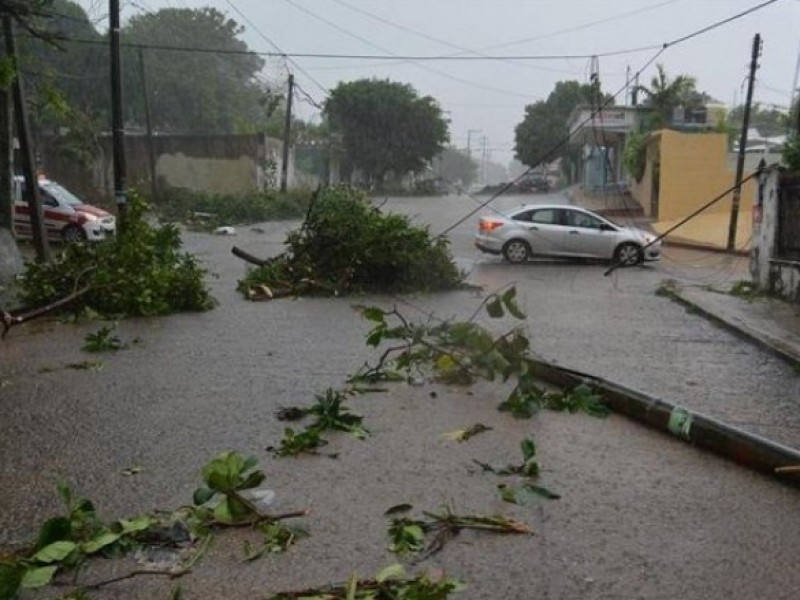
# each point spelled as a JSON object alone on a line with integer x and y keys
{"x": 73, "y": 233}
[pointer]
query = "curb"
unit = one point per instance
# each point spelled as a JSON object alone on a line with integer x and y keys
{"x": 677, "y": 243}
{"x": 747, "y": 449}
{"x": 759, "y": 339}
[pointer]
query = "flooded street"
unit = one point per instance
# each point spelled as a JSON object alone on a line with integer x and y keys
{"x": 641, "y": 515}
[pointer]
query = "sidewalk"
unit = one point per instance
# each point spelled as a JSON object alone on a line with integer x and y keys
{"x": 772, "y": 324}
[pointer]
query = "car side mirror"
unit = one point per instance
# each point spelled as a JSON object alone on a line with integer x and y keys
{"x": 606, "y": 227}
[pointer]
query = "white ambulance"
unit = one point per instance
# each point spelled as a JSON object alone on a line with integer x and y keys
{"x": 67, "y": 217}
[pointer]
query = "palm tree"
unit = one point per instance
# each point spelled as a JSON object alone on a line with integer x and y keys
{"x": 664, "y": 95}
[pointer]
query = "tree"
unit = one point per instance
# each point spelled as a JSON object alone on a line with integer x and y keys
{"x": 66, "y": 81}
{"x": 663, "y": 96}
{"x": 25, "y": 12}
{"x": 386, "y": 127}
{"x": 770, "y": 122}
{"x": 454, "y": 166}
{"x": 542, "y": 134}
{"x": 194, "y": 91}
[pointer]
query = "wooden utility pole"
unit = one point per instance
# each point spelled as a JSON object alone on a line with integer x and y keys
{"x": 36, "y": 213}
{"x": 151, "y": 153}
{"x": 287, "y": 134}
{"x": 737, "y": 192}
{"x": 118, "y": 129}
{"x": 6, "y": 156}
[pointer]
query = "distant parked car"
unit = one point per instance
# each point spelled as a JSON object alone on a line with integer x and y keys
{"x": 66, "y": 216}
{"x": 534, "y": 183}
{"x": 563, "y": 231}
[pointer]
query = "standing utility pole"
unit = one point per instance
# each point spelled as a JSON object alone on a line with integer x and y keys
{"x": 38, "y": 232}
{"x": 287, "y": 131}
{"x": 151, "y": 154}
{"x": 737, "y": 192}
{"x": 120, "y": 171}
{"x": 6, "y": 156}
{"x": 469, "y": 141}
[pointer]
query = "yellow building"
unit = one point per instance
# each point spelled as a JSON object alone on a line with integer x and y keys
{"x": 683, "y": 172}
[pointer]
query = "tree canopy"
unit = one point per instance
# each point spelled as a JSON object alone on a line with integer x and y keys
{"x": 194, "y": 91}
{"x": 454, "y": 166}
{"x": 769, "y": 121}
{"x": 664, "y": 95}
{"x": 543, "y": 131}
{"x": 386, "y": 127}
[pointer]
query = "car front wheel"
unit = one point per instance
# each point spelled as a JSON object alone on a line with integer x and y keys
{"x": 73, "y": 233}
{"x": 628, "y": 254}
{"x": 516, "y": 251}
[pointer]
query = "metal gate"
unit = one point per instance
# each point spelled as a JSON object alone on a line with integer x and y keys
{"x": 788, "y": 236}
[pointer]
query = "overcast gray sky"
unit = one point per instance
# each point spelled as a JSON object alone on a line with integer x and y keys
{"x": 490, "y": 96}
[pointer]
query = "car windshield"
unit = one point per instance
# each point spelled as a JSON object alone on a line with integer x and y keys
{"x": 62, "y": 194}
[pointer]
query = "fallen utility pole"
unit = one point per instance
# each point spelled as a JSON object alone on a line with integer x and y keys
{"x": 35, "y": 211}
{"x": 737, "y": 192}
{"x": 287, "y": 134}
{"x": 118, "y": 129}
{"x": 745, "y": 448}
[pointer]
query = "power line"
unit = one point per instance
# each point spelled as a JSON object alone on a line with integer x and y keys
{"x": 325, "y": 90}
{"x": 564, "y": 141}
{"x": 390, "y": 53}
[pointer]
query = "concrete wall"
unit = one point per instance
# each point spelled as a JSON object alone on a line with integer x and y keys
{"x": 206, "y": 163}
{"x": 772, "y": 275}
{"x": 694, "y": 169}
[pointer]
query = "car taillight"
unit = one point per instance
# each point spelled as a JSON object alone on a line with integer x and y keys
{"x": 487, "y": 225}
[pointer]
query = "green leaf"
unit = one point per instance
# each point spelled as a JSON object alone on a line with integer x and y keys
{"x": 38, "y": 576}
{"x": 373, "y": 313}
{"x": 10, "y": 580}
{"x": 495, "y": 308}
{"x": 253, "y": 480}
{"x": 65, "y": 492}
{"x": 53, "y": 530}
{"x": 101, "y": 541}
{"x": 509, "y": 301}
{"x": 203, "y": 495}
{"x": 352, "y": 587}
{"x": 136, "y": 525}
{"x": 395, "y": 571}
{"x": 528, "y": 448}
{"x": 541, "y": 491}
{"x": 55, "y": 552}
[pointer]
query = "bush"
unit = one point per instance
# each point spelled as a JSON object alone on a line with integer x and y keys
{"x": 634, "y": 156}
{"x": 232, "y": 209}
{"x": 141, "y": 272}
{"x": 345, "y": 245}
{"x": 791, "y": 152}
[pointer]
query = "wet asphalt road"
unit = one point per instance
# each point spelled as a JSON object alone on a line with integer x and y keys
{"x": 642, "y": 515}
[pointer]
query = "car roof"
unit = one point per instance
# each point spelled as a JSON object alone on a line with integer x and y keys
{"x": 525, "y": 207}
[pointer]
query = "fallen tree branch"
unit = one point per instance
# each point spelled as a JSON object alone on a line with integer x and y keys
{"x": 247, "y": 257}
{"x": 10, "y": 320}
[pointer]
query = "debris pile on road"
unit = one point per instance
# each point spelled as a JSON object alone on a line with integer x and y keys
{"x": 345, "y": 245}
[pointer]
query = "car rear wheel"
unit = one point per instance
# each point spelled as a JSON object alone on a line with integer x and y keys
{"x": 628, "y": 254}
{"x": 73, "y": 233}
{"x": 516, "y": 251}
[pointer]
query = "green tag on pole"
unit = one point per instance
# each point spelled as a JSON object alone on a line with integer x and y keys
{"x": 680, "y": 423}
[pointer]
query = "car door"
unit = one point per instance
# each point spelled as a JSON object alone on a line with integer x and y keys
{"x": 544, "y": 230}
{"x": 54, "y": 215}
{"x": 586, "y": 235}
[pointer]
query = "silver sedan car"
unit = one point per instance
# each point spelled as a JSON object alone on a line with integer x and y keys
{"x": 564, "y": 231}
